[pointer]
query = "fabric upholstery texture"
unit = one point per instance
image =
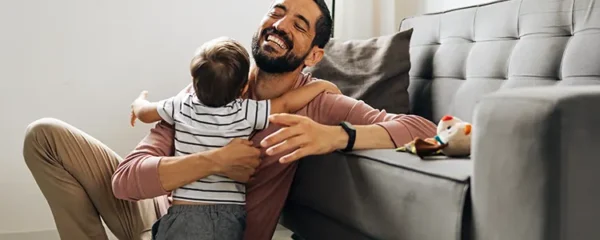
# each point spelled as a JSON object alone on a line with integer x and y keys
{"x": 459, "y": 56}
{"x": 536, "y": 164}
{"x": 373, "y": 70}
{"x": 384, "y": 194}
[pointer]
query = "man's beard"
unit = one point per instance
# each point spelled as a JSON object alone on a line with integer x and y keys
{"x": 283, "y": 64}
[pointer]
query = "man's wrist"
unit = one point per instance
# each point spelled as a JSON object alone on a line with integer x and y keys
{"x": 341, "y": 138}
{"x": 210, "y": 160}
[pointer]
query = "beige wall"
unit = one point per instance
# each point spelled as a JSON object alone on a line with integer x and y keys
{"x": 84, "y": 62}
{"x": 441, "y": 5}
{"x": 407, "y": 8}
{"x": 362, "y": 19}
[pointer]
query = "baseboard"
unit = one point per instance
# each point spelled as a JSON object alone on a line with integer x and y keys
{"x": 50, "y": 234}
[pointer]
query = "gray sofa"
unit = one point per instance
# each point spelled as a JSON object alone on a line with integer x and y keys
{"x": 523, "y": 72}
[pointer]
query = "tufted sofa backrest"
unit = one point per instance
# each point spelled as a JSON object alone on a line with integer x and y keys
{"x": 461, "y": 55}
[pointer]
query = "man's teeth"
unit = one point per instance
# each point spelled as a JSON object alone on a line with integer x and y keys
{"x": 277, "y": 40}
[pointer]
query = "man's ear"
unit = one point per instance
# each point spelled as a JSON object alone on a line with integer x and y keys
{"x": 314, "y": 57}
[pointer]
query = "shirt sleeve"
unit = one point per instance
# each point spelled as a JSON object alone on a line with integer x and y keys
{"x": 331, "y": 109}
{"x": 136, "y": 177}
{"x": 167, "y": 108}
{"x": 257, "y": 113}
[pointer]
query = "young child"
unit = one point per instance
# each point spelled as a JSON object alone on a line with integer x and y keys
{"x": 213, "y": 207}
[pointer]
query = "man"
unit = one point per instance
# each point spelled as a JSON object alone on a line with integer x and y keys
{"x": 73, "y": 170}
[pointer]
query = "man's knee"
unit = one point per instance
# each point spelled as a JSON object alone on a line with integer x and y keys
{"x": 40, "y": 130}
{"x": 43, "y": 126}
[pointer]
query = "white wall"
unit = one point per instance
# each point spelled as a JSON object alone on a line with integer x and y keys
{"x": 362, "y": 19}
{"x": 84, "y": 62}
{"x": 442, "y": 5}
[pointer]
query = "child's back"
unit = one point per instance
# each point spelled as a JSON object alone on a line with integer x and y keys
{"x": 209, "y": 118}
{"x": 201, "y": 128}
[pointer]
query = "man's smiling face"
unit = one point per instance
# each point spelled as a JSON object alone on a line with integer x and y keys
{"x": 285, "y": 37}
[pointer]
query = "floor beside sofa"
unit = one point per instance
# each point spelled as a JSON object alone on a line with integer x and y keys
{"x": 281, "y": 233}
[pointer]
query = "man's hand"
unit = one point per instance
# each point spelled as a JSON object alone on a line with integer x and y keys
{"x": 136, "y": 104}
{"x": 303, "y": 135}
{"x": 238, "y": 160}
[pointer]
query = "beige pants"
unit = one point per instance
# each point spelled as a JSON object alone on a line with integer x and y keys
{"x": 74, "y": 172}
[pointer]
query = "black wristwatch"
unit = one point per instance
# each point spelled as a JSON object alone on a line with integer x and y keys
{"x": 351, "y": 131}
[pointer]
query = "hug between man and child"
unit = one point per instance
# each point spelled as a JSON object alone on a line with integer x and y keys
{"x": 210, "y": 117}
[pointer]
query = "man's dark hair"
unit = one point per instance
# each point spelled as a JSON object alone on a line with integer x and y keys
{"x": 220, "y": 71}
{"x": 323, "y": 26}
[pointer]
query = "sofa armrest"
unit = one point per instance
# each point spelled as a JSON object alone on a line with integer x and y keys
{"x": 536, "y": 154}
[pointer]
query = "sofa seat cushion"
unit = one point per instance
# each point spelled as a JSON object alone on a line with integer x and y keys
{"x": 385, "y": 194}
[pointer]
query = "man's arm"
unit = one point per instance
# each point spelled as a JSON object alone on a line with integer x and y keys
{"x": 378, "y": 128}
{"x": 137, "y": 176}
{"x": 375, "y": 128}
{"x": 145, "y": 173}
{"x": 151, "y": 170}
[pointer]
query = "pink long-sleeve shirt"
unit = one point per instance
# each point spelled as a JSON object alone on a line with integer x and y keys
{"x": 137, "y": 176}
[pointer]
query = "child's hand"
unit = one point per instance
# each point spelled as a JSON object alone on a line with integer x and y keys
{"x": 328, "y": 87}
{"x": 135, "y": 105}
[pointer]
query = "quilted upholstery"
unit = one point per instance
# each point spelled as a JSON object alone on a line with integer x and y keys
{"x": 459, "y": 56}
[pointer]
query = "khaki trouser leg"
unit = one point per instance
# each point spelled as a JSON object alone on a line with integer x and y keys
{"x": 73, "y": 171}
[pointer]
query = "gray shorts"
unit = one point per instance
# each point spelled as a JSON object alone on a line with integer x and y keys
{"x": 218, "y": 222}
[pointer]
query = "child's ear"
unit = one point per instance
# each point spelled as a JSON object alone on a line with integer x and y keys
{"x": 244, "y": 90}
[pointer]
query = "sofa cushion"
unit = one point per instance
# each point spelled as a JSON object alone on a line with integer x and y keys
{"x": 385, "y": 194}
{"x": 373, "y": 70}
{"x": 460, "y": 56}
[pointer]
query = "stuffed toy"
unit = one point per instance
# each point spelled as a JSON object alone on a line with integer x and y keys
{"x": 453, "y": 139}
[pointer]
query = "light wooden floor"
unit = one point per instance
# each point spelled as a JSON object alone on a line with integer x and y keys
{"x": 282, "y": 233}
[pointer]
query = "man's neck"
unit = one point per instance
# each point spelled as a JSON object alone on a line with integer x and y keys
{"x": 268, "y": 85}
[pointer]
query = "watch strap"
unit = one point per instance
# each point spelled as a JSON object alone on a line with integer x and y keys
{"x": 351, "y": 135}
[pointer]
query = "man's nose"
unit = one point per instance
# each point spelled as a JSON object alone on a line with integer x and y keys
{"x": 283, "y": 25}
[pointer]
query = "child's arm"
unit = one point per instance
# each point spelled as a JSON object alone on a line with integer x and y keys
{"x": 296, "y": 99}
{"x": 144, "y": 110}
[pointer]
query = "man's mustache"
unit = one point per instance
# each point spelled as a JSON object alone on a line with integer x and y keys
{"x": 280, "y": 34}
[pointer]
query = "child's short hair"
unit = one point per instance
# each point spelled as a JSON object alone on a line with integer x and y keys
{"x": 220, "y": 70}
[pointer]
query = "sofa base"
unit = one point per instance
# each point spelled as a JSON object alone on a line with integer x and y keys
{"x": 308, "y": 224}
{"x": 382, "y": 194}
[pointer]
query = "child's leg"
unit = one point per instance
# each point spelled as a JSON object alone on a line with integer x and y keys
{"x": 218, "y": 222}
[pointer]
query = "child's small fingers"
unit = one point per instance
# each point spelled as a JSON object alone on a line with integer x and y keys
{"x": 132, "y": 120}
